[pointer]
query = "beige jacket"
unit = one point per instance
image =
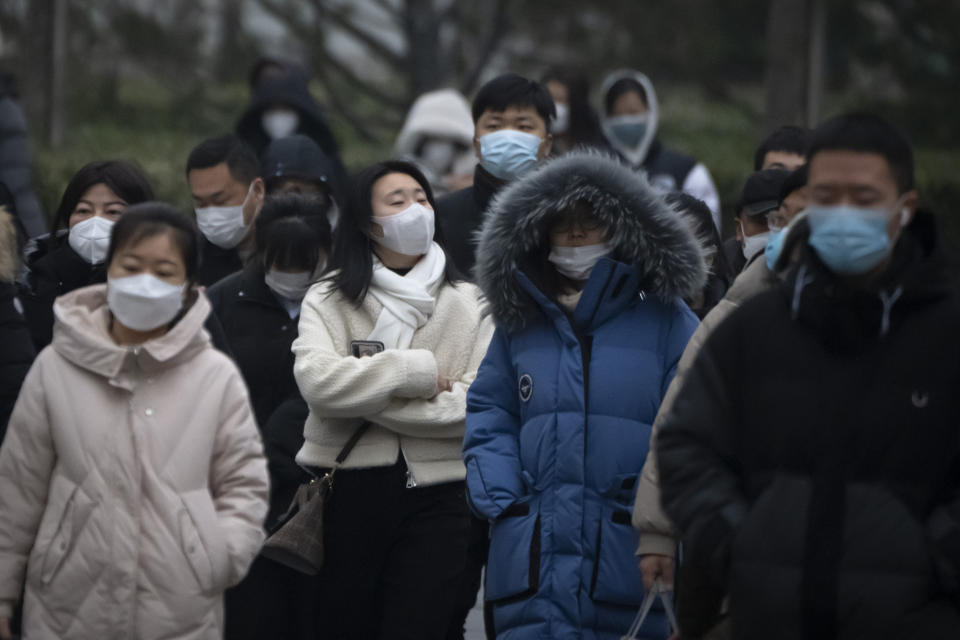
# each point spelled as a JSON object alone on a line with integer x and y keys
{"x": 133, "y": 485}
{"x": 396, "y": 389}
{"x": 657, "y": 534}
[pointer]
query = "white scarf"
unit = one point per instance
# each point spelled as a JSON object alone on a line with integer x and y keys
{"x": 408, "y": 301}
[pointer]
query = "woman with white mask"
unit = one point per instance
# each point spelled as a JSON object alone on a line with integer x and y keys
{"x": 585, "y": 268}
{"x": 391, "y": 339}
{"x": 135, "y": 485}
{"x": 74, "y": 255}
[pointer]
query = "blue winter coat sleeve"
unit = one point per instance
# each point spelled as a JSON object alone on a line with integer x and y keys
{"x": 683, "y": 323}
{"x": 491, "y": 446}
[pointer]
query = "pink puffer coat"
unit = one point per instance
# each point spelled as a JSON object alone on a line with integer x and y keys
{"x": 133, "y": 485}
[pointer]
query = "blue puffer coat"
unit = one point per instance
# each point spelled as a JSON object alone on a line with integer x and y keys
{"x": 558, "y": 418}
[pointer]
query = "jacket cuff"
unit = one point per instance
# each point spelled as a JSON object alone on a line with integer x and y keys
{"x": 657, "y": 545}
{"x": 6, "y": 608}
{"x": 420, "y": 375}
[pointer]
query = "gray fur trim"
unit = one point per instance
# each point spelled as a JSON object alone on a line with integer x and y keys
{"x": 645, "y": 230}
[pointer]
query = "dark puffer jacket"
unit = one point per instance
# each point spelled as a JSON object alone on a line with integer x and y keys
{"x": 558, "y": 418}
{"x": 16, "y": 348}
{"x": 15, "y": 159}
{"x": 812, "y": 456}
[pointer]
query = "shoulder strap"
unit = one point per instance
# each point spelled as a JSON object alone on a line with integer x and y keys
{"x": 352, "y": 442}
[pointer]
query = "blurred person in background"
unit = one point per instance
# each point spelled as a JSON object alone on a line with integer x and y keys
{"x": 15, "y": 167}
{"x": 585, "y": 268}
{"x": 760, "y": 196}
{"x": 134, "y": 482}
{"x": 74, "y": 255}
{"x": 259, "y": 309}
{"x": 396, "y": 527}
{"x": 718, "y": 271}
{"x": 297, "y": 165}
{"x": 631, "y": 121}
{"x": 438, "y": 137}
{"x": 577, "y": 124}
{"x": 223, "y": 175}
{"x": 512, "y": 117}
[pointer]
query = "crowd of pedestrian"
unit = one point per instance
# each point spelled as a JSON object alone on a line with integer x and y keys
{"x": 519, "y": 358}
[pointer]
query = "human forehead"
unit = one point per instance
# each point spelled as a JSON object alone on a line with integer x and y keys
{"x": 513, "y": 113}
{"x": 100, "y": 193}
{"x": 782, "y": 160}
{"x": 158, "y": 247}
{"x": 840, "y": 169}
{"x": 393, "y": 182}
{"x": 215, "y": 178}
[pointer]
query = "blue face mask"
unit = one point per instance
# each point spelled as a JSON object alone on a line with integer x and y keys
{"x": 509, "y": 153}
{"x": 629, "y": 130}
{"x": 774, "y": 245}
{"x": 849, "y": 240}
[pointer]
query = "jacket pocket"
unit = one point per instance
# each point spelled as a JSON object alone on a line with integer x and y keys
{"x": 616, "y": 579}
{"x": 513, "y": 567}
{"x": 76, "y": 511}
{"x": 201, "y": 541}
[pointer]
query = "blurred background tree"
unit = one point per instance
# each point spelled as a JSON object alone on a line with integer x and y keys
{"x": 147, "y": 80}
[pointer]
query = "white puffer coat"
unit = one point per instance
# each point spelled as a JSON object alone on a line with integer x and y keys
{"x": 133, "y": 485}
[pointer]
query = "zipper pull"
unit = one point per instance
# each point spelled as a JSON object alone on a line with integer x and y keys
{"x": 411, "y": 482}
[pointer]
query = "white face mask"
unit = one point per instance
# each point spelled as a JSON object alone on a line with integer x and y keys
{"x": 223, "y": 226}
{"x": 409, "y": 232}
{"x": 144, "y": 302}
{"x": 577, "y": 262}
{"x": 289, "y": 285}
{"x": 562, "y": 122}
{"x": 752, "y": 245}
{"x": 91, "y": 239}
{"x": 280, "y": 122}
{"x": 438, "y": 155}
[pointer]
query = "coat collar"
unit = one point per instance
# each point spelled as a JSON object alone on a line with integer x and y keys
{"x": 82, "y": 336}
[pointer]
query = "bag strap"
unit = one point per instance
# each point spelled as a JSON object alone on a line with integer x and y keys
{"x": 352, "y": 442}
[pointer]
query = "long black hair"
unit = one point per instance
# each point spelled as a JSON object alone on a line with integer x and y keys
{"x": 584, "y": 129}
{"x": 124, "y": 178}
{"x": 292, "y": 232}
{"x": 352, "y": 260}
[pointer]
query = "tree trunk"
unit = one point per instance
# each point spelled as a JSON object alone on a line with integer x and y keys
{"x": 57, "y": 74}
{"x": 815, "y": 61}
{"x": 786, "y": 73}
{"x": 426, "y": 63}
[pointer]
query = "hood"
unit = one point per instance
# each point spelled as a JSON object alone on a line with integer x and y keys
{"x": 645, "y": 231}
{"x": 8, "y": 247}
{"x": 442, "y": 114}
{"x": 81, "y": 335}
{"x": 638, "y": 154}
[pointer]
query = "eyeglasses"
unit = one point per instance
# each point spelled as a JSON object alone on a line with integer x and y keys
{"x": 585, "y": 225}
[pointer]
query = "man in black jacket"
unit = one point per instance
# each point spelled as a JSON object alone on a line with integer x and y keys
{"x": 812, "y": 458}
{"x": 511, "y": 117}
{"x": 224, "y": 179}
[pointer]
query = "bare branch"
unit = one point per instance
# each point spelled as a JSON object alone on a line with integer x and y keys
{"x": 388, "y": 7}
{"x": 359, "y": 124}
{"x": 352, "y": 78}
{"x": 498, "y": 25}
{"x": 375, "y": 46}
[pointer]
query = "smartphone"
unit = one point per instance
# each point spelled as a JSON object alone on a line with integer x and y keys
{"x": 363, "y": 348}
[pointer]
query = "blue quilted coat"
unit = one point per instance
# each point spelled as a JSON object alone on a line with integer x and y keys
{"x": 558, "y": 418}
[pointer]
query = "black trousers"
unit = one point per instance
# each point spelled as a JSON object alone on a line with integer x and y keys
{"x": 394, "y": 557}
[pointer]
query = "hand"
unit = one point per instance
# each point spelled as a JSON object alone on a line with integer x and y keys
{"x": 654, "y": 566}
{"x": 443, "y": 384}
{"x": 5, "y": 633}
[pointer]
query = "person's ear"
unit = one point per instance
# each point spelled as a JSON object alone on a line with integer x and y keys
{"x": 258, "y": 191}
{"x": 476, "y": 147}
{"x": 545, "y": 146}
{"x": 909, "y": 208}
{"x": 738, "y": 228}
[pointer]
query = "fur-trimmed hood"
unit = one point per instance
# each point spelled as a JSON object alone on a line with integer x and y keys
{"x": 8, "y": 247}
{"x": 644, "y": 230}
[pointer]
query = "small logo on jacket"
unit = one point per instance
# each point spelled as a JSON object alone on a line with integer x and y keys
{"x": 526, "y": 387}
{"x": 920, "y": 399}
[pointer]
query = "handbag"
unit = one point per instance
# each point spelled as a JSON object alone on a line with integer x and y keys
{"x": 656, "y": 590}
{"x": 297, "y": 539}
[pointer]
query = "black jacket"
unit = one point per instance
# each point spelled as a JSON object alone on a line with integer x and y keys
{"x": 15, "y": 162}
{"x": 52, "y": 271}
{"x": 460, "y": 215}
{"x": 812, "y": 458}
{"x": 216, "y": 263}
{"x": 260, "y": 332}
{"x": 16, "y": 352}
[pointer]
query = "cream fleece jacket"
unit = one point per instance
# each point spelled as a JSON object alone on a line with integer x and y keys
{"x": 395, "y": 390}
